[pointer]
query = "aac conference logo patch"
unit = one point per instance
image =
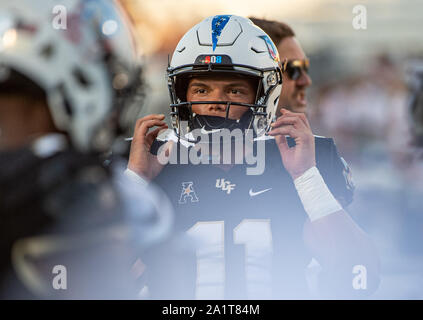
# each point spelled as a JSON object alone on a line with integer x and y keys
{"x": 273, "y": 52}
{"x": 188, "y": 192}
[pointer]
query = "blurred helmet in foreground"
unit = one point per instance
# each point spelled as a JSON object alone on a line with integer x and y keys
{"x": 83, "y": 55}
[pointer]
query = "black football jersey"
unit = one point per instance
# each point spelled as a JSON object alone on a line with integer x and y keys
{"x": 249, "y": 228}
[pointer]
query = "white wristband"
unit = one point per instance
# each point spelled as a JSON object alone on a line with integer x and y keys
{"x": 317, "y": 200}
{"x": 135, "y": 177}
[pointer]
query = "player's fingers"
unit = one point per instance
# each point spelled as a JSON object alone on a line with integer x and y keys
{"x": 285, "y": 111}
{"x": 284, "y": 130}
{"x": 299, "y": 115}
{"x": 141, "y": 131}
{"x": 287, "y": 120}
{"x": 147, "y": 118}
{"x": 282, "y": 143}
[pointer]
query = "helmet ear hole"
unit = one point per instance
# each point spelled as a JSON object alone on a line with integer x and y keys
{"x": 68, "y": 109}
{"x": 47, "y": 51}
{"x": 80, "y": 77}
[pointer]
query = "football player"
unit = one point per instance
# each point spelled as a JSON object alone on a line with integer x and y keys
{"x": 71, "y": 226}
{"x": 257, "y": 232}
{"x": 296, "y": 79}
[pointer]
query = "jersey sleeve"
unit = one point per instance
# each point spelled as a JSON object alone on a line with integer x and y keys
{"x": 338, "y": 176}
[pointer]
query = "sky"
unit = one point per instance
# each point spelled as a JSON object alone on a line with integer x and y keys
{"x": 160, "y": 20}
{"x": 392, "y": 24}
{"x": 323, "y": 27}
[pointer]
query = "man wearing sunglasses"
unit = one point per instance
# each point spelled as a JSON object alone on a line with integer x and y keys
{"x": 296, "y": 79}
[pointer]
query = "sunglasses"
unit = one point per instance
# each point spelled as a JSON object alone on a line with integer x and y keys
{"x": 294, "y": 68}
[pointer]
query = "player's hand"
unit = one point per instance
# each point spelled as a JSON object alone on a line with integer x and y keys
{"x": 141, "y": 161}
{"x": 301, "y": 157}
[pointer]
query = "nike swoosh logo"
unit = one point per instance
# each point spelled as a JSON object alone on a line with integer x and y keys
{"x": 253, "y": 194}
{"x": 204, "y": 131}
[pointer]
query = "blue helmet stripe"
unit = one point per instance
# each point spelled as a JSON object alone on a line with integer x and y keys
{"x": 218, "y": 23}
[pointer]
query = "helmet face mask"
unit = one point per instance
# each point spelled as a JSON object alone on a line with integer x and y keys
{"x": 238, "y": 48}
{"x": 184, "y": 110}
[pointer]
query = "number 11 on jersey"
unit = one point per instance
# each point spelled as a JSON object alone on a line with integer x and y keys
{"x": 255, "y": 235}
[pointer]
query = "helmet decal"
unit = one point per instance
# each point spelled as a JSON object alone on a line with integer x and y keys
{"x": 218, "y": 23}
{"x": 270, "y": 47}
{"x": 109, "y": 14}
{"x": 84, "y": 13}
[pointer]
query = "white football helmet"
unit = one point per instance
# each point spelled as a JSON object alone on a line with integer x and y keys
{"x": 226, "y": 44}
{"x": 82, "y": 54}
